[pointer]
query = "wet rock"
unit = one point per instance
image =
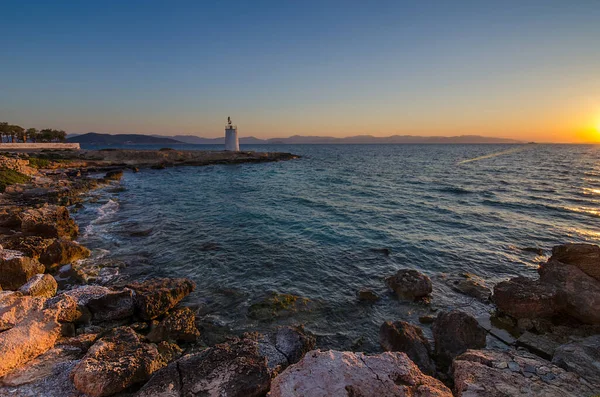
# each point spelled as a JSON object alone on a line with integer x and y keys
{"x": 50, "y": 221}
{"x": 210, "y": 246}
{"x": 16, "y": 270}
{"x": 384, "y": 251}
{"x": 533, "y": 250}
{"x": 409, "y": 283}
{"x": 484, "y": 373}
{"x": 62, "y": 252}
{"x": 14, "y": 308}
{"x": 178, "y": 325}
{"x": 141, "y": 233}
{"x": 278, "y": 305}
{"x": 577, "y": 292}
{"x": 234, "y": 369}
{"x": 586, "y": 257}
{"x": 335, "y": 373}
{"x": 114, "y": 363}
{"x": 454, "y": 333}
{"x": 43, "y": 285}
{"x": 471, "y": 285}
{"x": 114, "y": 175}
{"x": 401, "y": 336}
{"x": 156, "y": 296}
{"x": 582, "y": 358}
{"x": 538, "y": 344}
{"x": 31, "y": 337}
{"x": 522, "y": 297}
{"x": 426, "y": 319}
{"x": 367, "y": 295}
{"x": 114, "y": 305}
{"x": 285, "y": 347}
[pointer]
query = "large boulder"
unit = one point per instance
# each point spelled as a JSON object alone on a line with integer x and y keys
{"x": 31, "y": 246}
{"x": 409, "y": 283}
{"x": 401, "y": 336}
{"x": 14, "y": 308}
{"x": 492, "y": 373}
{"x": 157, "y": 296}
{"x": 454, "y": 333}
{"x": 285, "y": 347}
{"x": 522, "y": 297}
{"x": 31, "y": 337}
{"x": 43, "y": 285}
{"x": 114, "y": 363}
{"x": 61, "y": 252}
{"x": 234, "y": 369}
{"x": 50, "y": 221}
{"x": 581, "y": 357}
{"x": 16, "y": 270}
{"x": 584, "y": 256}
{"x": 335, "y": 373}
{"x": 178, "y": 325}
{"x": 104, "y": 304}
{"x": 471, "y": 285}
{"x": 578, "y": 293}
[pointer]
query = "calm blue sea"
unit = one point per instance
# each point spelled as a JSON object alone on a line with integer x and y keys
{"x": 312, "y": 227}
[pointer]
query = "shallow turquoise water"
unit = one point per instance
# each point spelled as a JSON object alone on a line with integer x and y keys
{"x": 310, "y": 226}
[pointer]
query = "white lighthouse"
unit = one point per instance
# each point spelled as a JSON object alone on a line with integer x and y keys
{"x": 232, "y": 143}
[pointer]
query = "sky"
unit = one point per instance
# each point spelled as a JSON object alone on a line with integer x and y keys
{"x": 527, "y": 70}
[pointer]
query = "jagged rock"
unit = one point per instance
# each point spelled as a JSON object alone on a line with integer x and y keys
{"x": 169, "y": 351}
{"x": 31, "y": 337}
{"x": 85, "y": 293}
{"x": 178, "y": 325}
{"x": 493, "y": 373}
{"x": 538, "y": 344}
{"x": 335, "y": 373}
{"x": 114, "y": 175}
{"x": 584, "y": 256}
{"x": 156, "y": 296}
{"x": 522, "y": 297}
{"x": 82, "y": 342}
{"x": 471, "y": 285}
{"x": 582, "y": 358}
{"x": 367, "y": 295}
{"x": 275, "y": 305}
{"x": 285, "y": 347}
{"x": 409, "y": 283}
{"x": 62, "y": 252}
{"x": 49, "y": 221}
{"x": 14, "y": 308}
{"x": 114, "y": 305}
{"x": 577, "y": 292}
{"x": 234, "y": 369}
{"x": 16, "y": 270}
{"x": 43, "y": 285}
{"x": 401, "y": 336}
{"x": 114, "y": 363}
{"x": 31, "y": 246}
{"x": 65, "y": 307}
{"x": 454, "y": 333}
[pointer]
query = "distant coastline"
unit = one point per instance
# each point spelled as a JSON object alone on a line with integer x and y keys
{"x": 109, "y": 139}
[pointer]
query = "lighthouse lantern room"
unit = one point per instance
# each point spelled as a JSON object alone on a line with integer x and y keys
{"x": 232, "y": 143}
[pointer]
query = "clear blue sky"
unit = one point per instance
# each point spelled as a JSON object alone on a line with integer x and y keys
{"x": 523, "y": 69}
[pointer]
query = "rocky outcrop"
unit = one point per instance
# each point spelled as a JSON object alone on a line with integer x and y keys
{"x": 522, "y": 297}
{"x": 577, "y": 292}
{"x": 401, "y": 336}
{"x": 409, "y": 284}
{"x": 14, "y": 308}
{"x": 285, "y": 347}
{"x": 43, "y": 285}
{"x": 16, "y": 270}
{"x": 586, "y": 257}
{"x": 114, "y": 305}
{"x": 234, "y": 369}
{"x": 114, "y": 175}
{"x": 492, "y": 373}
{"x": 334, "y": 373}
{"x": 155, "y": 297}
{"x": 31, "y": 246}
{"x": 367, "y": 295}
{"x": 582, "y": 358}
{"x": 178, "y": 325}
{"x": 49, "y": 221}
{"x": 471, "y": 285}
{"x": 275, "y": 305}
{"x": 114, "y": 363}
{"x": 62, "y": 252}
{"x": 454, "y": 333}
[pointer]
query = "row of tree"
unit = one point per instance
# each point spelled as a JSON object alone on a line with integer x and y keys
{"x": 16, "y": 133}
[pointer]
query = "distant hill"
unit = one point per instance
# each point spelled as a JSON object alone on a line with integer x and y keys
{"x": 93, "y": 138}
{"x": 107, "y": 139}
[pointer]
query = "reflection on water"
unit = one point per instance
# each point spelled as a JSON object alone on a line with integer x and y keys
{"x": 315, "y": 227}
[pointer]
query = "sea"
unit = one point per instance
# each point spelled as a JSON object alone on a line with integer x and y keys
{"x": 339, "y": 219}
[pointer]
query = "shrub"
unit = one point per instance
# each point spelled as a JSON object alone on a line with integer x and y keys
{"x": 38, "y": 162}
{"x": 10, "y": 177}
{"x": 165, "y": 149}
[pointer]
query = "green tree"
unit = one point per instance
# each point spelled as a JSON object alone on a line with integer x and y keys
{"x": 31, "y": 134}
{"x": 15, "y": 132}
{"x": 3, "y": 130}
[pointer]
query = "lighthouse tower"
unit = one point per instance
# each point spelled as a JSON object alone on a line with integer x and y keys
{"x": 232, "y": 143}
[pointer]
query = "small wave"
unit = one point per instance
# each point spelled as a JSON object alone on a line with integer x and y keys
{"x": 104, "y": 211}
{"x": 454, "y": 190}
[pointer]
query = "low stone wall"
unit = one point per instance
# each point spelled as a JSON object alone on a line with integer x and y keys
{"x": 38, "y": 146}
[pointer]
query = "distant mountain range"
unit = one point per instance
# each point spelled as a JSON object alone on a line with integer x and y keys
{"x": 121, "y": 139}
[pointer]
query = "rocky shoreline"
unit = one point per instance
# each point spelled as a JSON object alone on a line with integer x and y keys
{"x": 136, "y": 339}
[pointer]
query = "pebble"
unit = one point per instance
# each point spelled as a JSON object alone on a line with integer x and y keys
{"x": 513, "y": 366}
{"x": 501, "y": 365}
